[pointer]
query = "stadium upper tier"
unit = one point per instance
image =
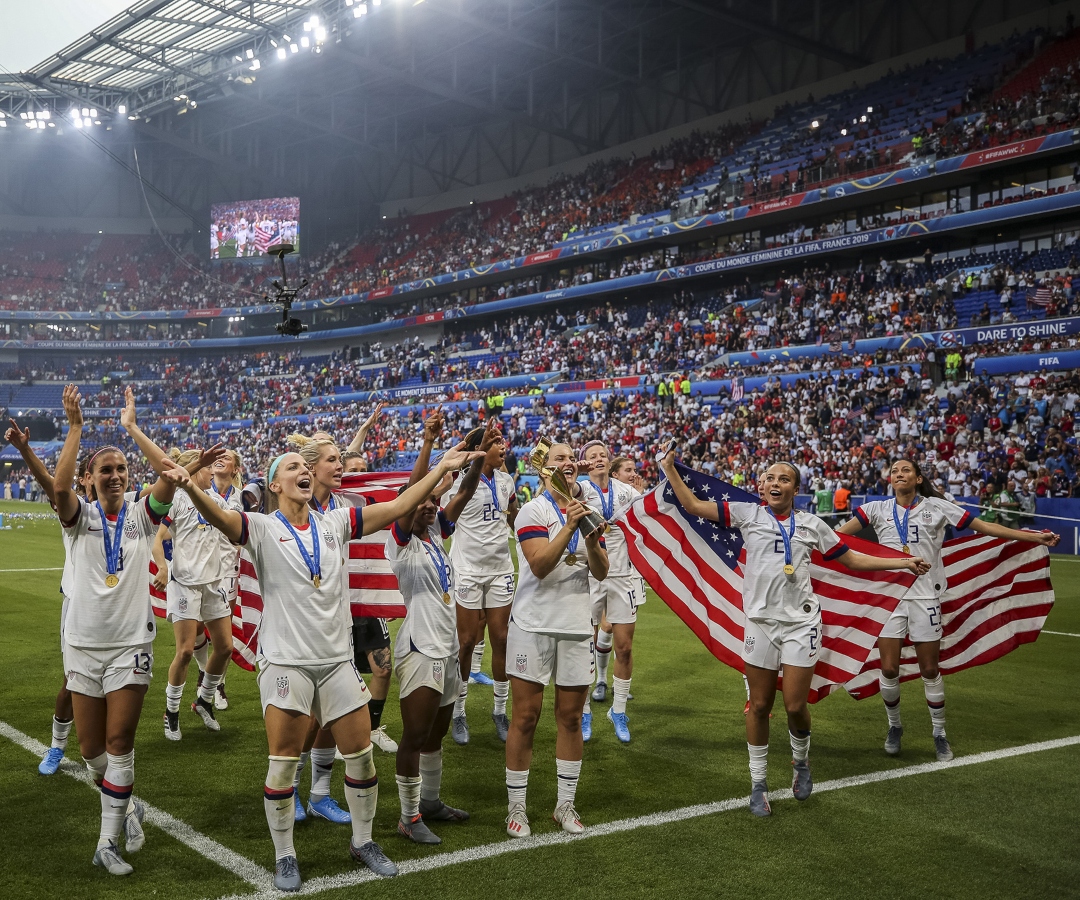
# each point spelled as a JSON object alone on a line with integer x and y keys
{"x": 942, "y": 109}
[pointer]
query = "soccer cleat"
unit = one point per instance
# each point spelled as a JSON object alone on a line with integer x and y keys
{"x": 622, "y": 725}
{"x": 134, "y": 836}
{"x": 437, "y": 811}
{"x": 298, "y": 809}
{"x": 287, "y": 874}
{"x": 802, "y": 785}
{"x": 568, "y": 817}
{"x": 943, "y": 748}
{"x": 109, "y": 858}
{"x": 517, "y": 823}
{"x": 459, "y": 729}
{"x": 383, "y": 741}
{"x": 205, "y": 711}
{"x": 599, "y": 693}
{"x": 372, "y": 856}
{"x": 417, "y": 832}
{"x": 502, "y": 725}
{"x": 221, "y": 701}
{"x": 759, "y": 799}
{"x": 328, "y": 809}
{"x": 50, "y": 762}
{"x": 892, "y": 739}
{"x": 586, "y": 727}
{"x": 171, "y": 721}
{"x": 481, "y": 678}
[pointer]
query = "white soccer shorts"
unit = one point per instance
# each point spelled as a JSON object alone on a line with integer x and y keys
{"x": 325, "y": 692}
{"x": 541, "y": 657}
{"x": 769, "y": 644}
{"x": 918, "y": 619}
{"x": 617, "y": 595}
{"x": 201, "y": 602}
{"x": 484, "y": 591}
{"x": 415, "y": 670}
{"x": 95, "y": 673}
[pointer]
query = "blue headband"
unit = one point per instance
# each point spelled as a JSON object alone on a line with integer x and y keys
{"x": 273, "y": 468}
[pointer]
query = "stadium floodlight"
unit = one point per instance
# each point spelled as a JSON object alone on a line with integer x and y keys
{"x": 51, "y": 124}
{"x": 843, "y": 131}
{"x": 22, "y": 116}
{"x": 282, "y": 53}
{"x": 97, "y": 121}
{"x": 359, "y": 11}
{"x": 133, "y": 118}
{"x": 87, "y": 122}
{"x": 320, "y": 34}
{"x": 862, "y": 118}
{"x": 93, "y": 113}
{"x": 3, "y": 123}
{"x": 304, "y": 42}
{"x": 869, "y": 109}
{"x": 85, "y": 111}
{"x": 815, "y": 124}
{"x": 195, "y": 105}
{"x": 273, "y": 43}
{"x": 286, "y": 38}
{"x": 78, "y": 123}
{"x": 294, "y": 48}
{"x": 121, "y": 110}
{"x": 255, "y": 66}
{"x": 238, "y": 58}
{"x": 249, "y": 53}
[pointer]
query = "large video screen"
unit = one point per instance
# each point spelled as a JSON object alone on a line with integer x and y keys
{"x": 245, "y": 228}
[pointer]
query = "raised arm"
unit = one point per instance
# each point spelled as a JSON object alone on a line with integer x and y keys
{"x": 706, "y": 509}
{"x": 228, "y": 521}
{"x": 64, "y": 497}
{"x": 471, "y": 478}
{"x": 128, "y": 421}
{"x": 20, "y": 440}
{"x": 993, "y": 529}
{"x": 358, "y": 442}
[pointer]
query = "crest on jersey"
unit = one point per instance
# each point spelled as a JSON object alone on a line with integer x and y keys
{"x": 437, "y": 669}
{"x": 283, "y": 686}
{"x": 328, "y": 536}
{"x": 927, "y": 516}
{"x": 522, "y": 663}
{"x": 802, "y": 531}
{"x": 131, "y": 529}
{"x": 749, "y": 643}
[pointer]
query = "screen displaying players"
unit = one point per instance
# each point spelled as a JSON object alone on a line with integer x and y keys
{"x": 245, "y": 228}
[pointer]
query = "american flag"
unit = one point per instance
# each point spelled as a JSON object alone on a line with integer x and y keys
{"x": 263, "y": 238}
{"x": 998, "y": 597}
{"x": 1041, "y": 297}
{"x": 694, "y": 564}
{"x": 738, "y": 388}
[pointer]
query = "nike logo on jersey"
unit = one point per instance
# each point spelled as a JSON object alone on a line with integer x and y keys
{"x": 284, "y": 540}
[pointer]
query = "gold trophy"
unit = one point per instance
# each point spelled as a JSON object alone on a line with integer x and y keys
{"x": 592, "y": 522}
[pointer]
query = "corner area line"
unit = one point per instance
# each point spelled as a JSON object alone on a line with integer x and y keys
{"x": 238, "y": 865}
{"x": 550, "y": 839}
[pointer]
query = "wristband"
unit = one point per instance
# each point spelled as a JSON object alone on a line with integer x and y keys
{"x": 158, "y": 507}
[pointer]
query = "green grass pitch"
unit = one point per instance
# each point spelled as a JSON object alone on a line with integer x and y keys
{"x": 1001, "y": 829}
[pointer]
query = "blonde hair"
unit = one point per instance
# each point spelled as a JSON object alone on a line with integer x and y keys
{"x": 237, "y": 480}
{"x": 183, "y": 457}
{"x": 309, "y": 447}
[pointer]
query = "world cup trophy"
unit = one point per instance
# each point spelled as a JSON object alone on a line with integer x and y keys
{"x": 592, "y": 522}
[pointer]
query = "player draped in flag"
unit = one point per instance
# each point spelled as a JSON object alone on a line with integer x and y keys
{"x": 484, "y": 575}
{"x": 305, "y": 641}
{"x": 550, "y": 637}
{"x": 615, "y": 598}
{"x": 782, "y": 627}
{"x": 427, "y": 644}
{"x": 109, "y": 628}
{"x": 915, "y": 521}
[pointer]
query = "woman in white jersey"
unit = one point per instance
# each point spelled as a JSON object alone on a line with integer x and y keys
{"x": 616, "y": 598}
{"x": 915, "y": 521}
{"x": 109, "y": 628}
{"x": 305, "y": 653}
{"x": 201, "y": 586}
{"x": 550, "y": 637}
{"x": 427, "y": 644}
{"x": 227, "y": 484}
{"x": 782, "y": 626}
{"x": 484, "y": 575}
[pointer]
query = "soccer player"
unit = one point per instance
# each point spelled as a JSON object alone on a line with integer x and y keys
{"x": 550, "y": 637}
{"x": 484, "y": 575}
{"x": 109, "y": 628}
{"x": 915, "y": 521}
{"x": 427, "y": 645}
{"x": 782, "y": 626}
{"x": 616, "y": 598}
{"x": 305, "y": 653}
{"x": 227, "y": 484}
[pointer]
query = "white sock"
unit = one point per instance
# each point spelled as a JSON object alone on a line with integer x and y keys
{"x": 603, "y": 655}
{"x": 430, "y": 775}
{"x": 322, "y": 766}
{"x": 174, "y": 693}
{"x": 586, "y": 710}
{"x": 61, "y": 730}
{"x": 300, "y": 770}
{"x": 935, "y": 700}
{"x": 800, "y": 745}
{"x": 477, "y": 656}
{"x": 361, "y": 793}
{"x": 408, "y": 789}
{"x": 502, "y": 691}
{"x": 115, "y": 795}
{"x": 517, "y": 783}
{"x": 759, "y": 762}
{"x": 96, "y": 767}
{"x": 890, "y": 694}
{"x": 202, "y": 653}
{"x": 209, "y": 685}
{"x": 569, "y": 771}
{"x": 459, "y": 704}
{"x": 621, "y": 691}
{"x": 278, "y": 803}
{"x": 746, "y": 682}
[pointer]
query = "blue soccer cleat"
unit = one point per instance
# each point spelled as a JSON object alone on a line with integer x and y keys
{"x": 50, "y": 762}
{"x": 298, "y": 811}
{"x": 622, "y": 725}
{"x": 481, "y": 678}
{"x": 586, "y": 726}
{"x": 329, "y": 810}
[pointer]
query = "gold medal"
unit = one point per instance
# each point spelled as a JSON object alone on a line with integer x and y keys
{"x": 446, "y": 597}
{"x": 111, "y": 581}
{"x": 789, "y": 569}
{"x": 906, "y": 548}
{"x": 316, "y": 580}
{"x": 571, "y": 559}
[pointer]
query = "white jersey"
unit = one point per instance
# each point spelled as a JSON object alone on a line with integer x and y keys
{"x": 482, "y": 539}
{"x": 69, "y": 560}
{"x": 927, "y": 521}
{"x": 560, "y": 603}
{"x": 430, "y": 624}
{"x": 201, "y": 553}
{"x": 611, "y": 504}
{"x": 767, "y": 592}
{"x": 100, "y": 616}
{"x": 303, "y": 625}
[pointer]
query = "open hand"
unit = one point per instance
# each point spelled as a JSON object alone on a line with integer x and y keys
{"x": 73, "y": 406}
{"x": 128, "y": 419}
{"x": 16, "y": 437}
{"x": 211, "y": 455}
{"x": 174, "y": 474}
{"x": 491, "y": 435}
{"x": 433, "y": 425}
{"x": 458, "y": 457}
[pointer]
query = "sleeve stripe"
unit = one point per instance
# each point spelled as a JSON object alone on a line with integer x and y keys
{"x": 356, "y": 522}
{"x": 154, "y": 517}
{"x": 603, "y": 543}
{"x": 244, "y": 534}
{"x": 401, "y": 538}
{"x": 531, "y": 531}
{"x": 837, "y": 551}
{"x": 723, "y": 513}
{"x": 861, "y": 516}
{"x": 965, "y": 520}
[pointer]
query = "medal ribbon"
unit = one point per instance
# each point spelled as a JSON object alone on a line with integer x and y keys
{"x": 439, "y": 562}
{"x": 786, "y": 535}
{"x": 608, "y": 506}
{"x": 491, "y": 486}
{"x": 314, "y": 567}
{"x": 112, "y": 550}
{"x": 330, "y": 505}
{"x": 901, "y": 527}
{"x": 572, "y": 546}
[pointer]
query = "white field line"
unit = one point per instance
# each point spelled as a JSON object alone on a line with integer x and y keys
{"x": 550, "y": 839}
{"x": 1060, "y": 633}
{"x": 240, "y": 866}
{"x": 48, "y": 569}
